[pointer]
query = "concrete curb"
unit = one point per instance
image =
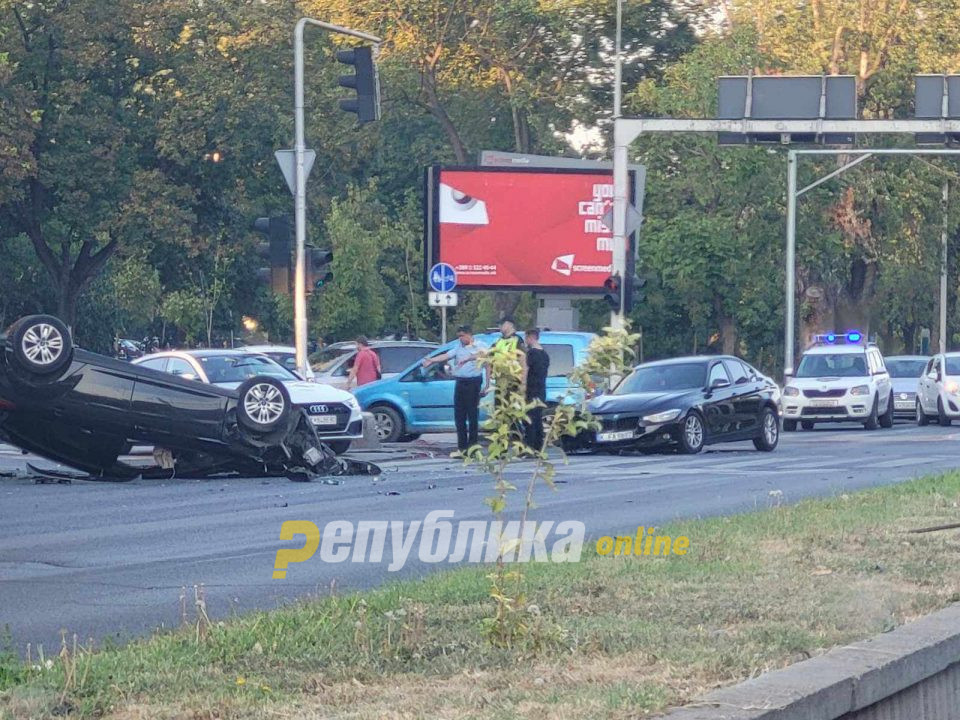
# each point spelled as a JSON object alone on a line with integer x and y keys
{"x": 848, "y": 679}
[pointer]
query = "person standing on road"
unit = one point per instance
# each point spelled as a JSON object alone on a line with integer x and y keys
{"x": 366, "y": 365}
{"x": 468, "y": 387}
{"x": 538, "y": 367}
{"x": 510, "y": 342}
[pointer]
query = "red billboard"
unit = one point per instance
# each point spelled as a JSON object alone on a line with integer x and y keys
{"x": 521, "y": 229}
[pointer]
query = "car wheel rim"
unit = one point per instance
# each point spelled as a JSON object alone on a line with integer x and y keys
{"x": 384, "y": 425}
{"x": 770, "y": 429}
{"x": 264, "y": 403}
{"x": 42, "y": 344}
{"x": 693, "y": 431}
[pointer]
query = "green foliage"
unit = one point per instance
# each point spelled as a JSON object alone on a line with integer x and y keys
{"x": 353, "y": 304}
{"x": 607, "y": 357}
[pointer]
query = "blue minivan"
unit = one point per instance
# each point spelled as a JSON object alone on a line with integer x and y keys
{"x": 419, "y": 400}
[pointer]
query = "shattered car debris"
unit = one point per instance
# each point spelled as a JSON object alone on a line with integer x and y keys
{"x": 85, "y": 410}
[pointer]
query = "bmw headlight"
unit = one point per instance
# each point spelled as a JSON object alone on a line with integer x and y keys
{"x": 791, "y": 391}
{"x": 662, "y": 417}
{"x": 860, "y": 390}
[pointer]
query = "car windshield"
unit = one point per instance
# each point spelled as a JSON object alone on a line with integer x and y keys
{"x": 910, "y": 368}
{"x": 835, "y": 364}
{"x": 326, "y": 359}
{"x": 237, "y": 368}
{"x": 953, "y": 365}
{"x": 681, "y": 376}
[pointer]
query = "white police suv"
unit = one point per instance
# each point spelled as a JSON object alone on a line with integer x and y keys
{"x": 841, "y": 378}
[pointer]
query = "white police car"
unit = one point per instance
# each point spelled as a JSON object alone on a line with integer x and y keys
{"x": 841, "y": 378}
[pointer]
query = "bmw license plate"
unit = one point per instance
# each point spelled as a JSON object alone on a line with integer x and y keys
{"x": 824, "y": 403}
{"x": 323, "y": 419}
{"x": 615, "y": 436}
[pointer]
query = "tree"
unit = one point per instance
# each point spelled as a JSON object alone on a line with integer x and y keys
{"x": 353, "y": 304}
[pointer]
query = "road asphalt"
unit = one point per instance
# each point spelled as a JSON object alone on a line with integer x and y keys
{"x": 111, "y": 560}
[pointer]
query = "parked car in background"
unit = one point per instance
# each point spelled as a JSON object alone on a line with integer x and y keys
{"x": 420, "y": 400}
{"x": 938, "y": 390}
{"x": 126, "y": 349}
{"x": 689, "y": 402}
{"x": 905, "y": 372}
{"x": 335, "y": 414}
{"x": 286, "y": 355}
{"x": 332, "y": 364}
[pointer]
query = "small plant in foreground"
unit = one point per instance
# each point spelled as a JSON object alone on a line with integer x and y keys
{"x": 606, "y": 358}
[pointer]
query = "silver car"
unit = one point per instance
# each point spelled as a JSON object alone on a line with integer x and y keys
{"x": 905, "y": 372}
{"x": 332, "y": 364}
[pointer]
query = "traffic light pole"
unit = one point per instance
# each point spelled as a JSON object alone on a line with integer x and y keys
{"x": 300, "y": 193}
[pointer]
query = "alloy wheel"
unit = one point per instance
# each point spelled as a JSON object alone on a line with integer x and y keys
{"x": 770, "y": 429}
{"x": 693, "y": 430}
{"x": 384, "y": 425}
{"x": 264, "y": 403}
{"x": 42, "y": 344}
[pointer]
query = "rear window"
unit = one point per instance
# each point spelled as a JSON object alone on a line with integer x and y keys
{"x": 561, "y": 359}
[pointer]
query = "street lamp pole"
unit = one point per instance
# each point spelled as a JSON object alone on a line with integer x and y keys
{"x": 300, "y": 184}
{"x": 621, "y": 181}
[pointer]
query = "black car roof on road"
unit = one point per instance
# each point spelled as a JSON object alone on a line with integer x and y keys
{"x": 687, "y": 359}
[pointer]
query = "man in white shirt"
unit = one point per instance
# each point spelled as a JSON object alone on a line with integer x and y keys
{"x": 469, "y": 386}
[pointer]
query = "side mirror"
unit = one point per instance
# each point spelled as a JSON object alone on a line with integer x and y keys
{"x": 719, "y": 383}
{"x": 932, "y": 375}
{"x": 186, "y": 376}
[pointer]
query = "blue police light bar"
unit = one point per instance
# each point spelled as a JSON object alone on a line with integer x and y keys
{"x": 852, "y": 337}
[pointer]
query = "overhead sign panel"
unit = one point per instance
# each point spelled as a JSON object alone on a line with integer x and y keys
{"x": 786, "y": 97}
{"x": 538, "y": 229}
{"x": 936, "y": 96}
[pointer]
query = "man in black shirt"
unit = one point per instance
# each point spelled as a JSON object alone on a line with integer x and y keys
{"x": 538, "y": 367}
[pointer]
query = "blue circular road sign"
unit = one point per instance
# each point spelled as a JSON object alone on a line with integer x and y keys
{"x": 443, "y": 278}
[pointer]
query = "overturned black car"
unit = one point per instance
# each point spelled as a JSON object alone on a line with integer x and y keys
{"x": 689, "y": 402}
{"x": 85, "y": 410}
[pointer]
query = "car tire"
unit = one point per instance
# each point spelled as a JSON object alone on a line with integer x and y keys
{"x": 41, "y": 345}
{"x": 388, "y": 422}
{"x": 769, "y": 435}
{"x": 409, "y": 437}
{"x": 789, "y": 425}
{"x": 873, "y": 421}
{"x": 264, "y": 405}
{"x": 922, "y": 418}
{"x": 339, "y": 447}
{"x": 693, "y": 434}
{"x": 807, "y": 424}
{"x": 886, "y": 420}
{"x": 942, "y": 415}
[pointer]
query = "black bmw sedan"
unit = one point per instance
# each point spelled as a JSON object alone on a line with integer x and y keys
{"x": 689, "y": 402}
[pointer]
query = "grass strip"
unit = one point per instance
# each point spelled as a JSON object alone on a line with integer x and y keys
{"x": 609, "y": 637}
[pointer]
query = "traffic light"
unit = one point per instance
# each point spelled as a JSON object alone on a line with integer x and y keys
{"x": 612, "y": 292}
{"x": 319, "y": 271}
{"x": 279, "y": 231}
{"x": 366, "y": 104}
{"x": 633, "y": 285}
